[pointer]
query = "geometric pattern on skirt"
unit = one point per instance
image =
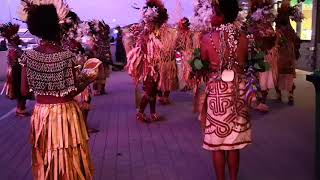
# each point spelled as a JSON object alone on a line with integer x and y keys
{"x": 60, "y": 143}
{"x": 227, "y": 124}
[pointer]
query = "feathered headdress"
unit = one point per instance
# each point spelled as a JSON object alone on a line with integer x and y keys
{"x": 155, "y": 12}
{"x": 287, "y": 12}
{"x": 27, "y": 5}
{"x": 155, "y": 3}
{"x": 184, "y": 22}
{"x": 98, "y": 26}
{"x": 9, "y": 30}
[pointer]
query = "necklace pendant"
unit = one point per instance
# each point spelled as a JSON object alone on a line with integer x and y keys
{"x": 227, "y": 75}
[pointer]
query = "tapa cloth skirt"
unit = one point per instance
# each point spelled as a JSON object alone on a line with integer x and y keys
{"x": 266, "y": 80}
{"x": 60, "y": 143}
{"x": 269, "y": 78}
{"x": 227, "y": 125}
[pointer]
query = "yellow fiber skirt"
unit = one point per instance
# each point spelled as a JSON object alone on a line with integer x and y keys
{"x": 60, "y": 143}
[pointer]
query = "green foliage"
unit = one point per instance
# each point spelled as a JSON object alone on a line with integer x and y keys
{"x": 259, "y": 55}
{"x": 258, "y": 63}
{"x": 283, "y": 41}
{"x": 262, "y": 66}
{"x": 198, "y": 65}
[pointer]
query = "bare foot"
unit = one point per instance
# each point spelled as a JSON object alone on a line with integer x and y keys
{"x": 155, "y": 117}
{"x": 262, "y": 108}
{"x": 142, "y": 117}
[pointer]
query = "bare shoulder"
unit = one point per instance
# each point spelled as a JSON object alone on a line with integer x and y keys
{"x": 243, "y": 40}
{"x": 243, "y": 37}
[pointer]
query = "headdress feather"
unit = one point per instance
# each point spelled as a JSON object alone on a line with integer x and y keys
{"x": 9, "y": 30}
{"x": 157, "y": 3}
{"x": 27, "y": 5}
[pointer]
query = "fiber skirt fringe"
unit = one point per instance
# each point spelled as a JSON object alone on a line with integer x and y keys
{"x": 60, "y": 143}
{"x": 12, "y": 85}
{"x": 168, "y": 76}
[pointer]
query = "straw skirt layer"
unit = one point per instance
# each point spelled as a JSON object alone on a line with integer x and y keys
{"x": 60, "y": 143}
{"x": 168, "y": 76}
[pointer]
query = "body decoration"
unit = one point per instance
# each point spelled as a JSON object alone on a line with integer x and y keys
{"x": 288, "y": 44}
{"x": 50, "y": 74}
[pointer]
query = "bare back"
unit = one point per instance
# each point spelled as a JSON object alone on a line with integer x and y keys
{"x": 210, "y": 45}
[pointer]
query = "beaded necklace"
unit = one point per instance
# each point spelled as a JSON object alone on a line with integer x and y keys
{"x": 226, "y": 64}
{"x": 226, "y": 71}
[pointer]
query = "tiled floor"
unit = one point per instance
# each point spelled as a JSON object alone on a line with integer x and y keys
{"x": 124, "y": 149}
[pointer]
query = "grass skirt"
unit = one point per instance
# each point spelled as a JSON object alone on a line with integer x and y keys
{"x": 269, "y": 78}
{"x": 60, "y": 143}
{"x": 168, "y": 76}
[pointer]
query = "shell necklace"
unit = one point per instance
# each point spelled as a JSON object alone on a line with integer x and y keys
{"x": 226, "y": 70}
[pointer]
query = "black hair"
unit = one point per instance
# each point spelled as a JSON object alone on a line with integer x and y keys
{"x": 43, "y": 22}
{"x": 230, "y": 10}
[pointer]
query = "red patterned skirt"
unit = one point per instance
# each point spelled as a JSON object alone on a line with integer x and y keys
{"x": 227, "y": 125}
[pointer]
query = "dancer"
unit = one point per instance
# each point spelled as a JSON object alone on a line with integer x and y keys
{"x": 184, "y": 48}
{"x": 101, "y": 50}
{"x": 130, "y": 41}
{"x": 58, "y": 134}
{"x": 227, "y": 125}
{"x": 146, "y": 59}
{"x": 70, "y": 40}
{"x": 13, "y": 84}
{"x": 261, "y": 26}
{"x": 168, "y": 70}
{"x": 288, "y": 44}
